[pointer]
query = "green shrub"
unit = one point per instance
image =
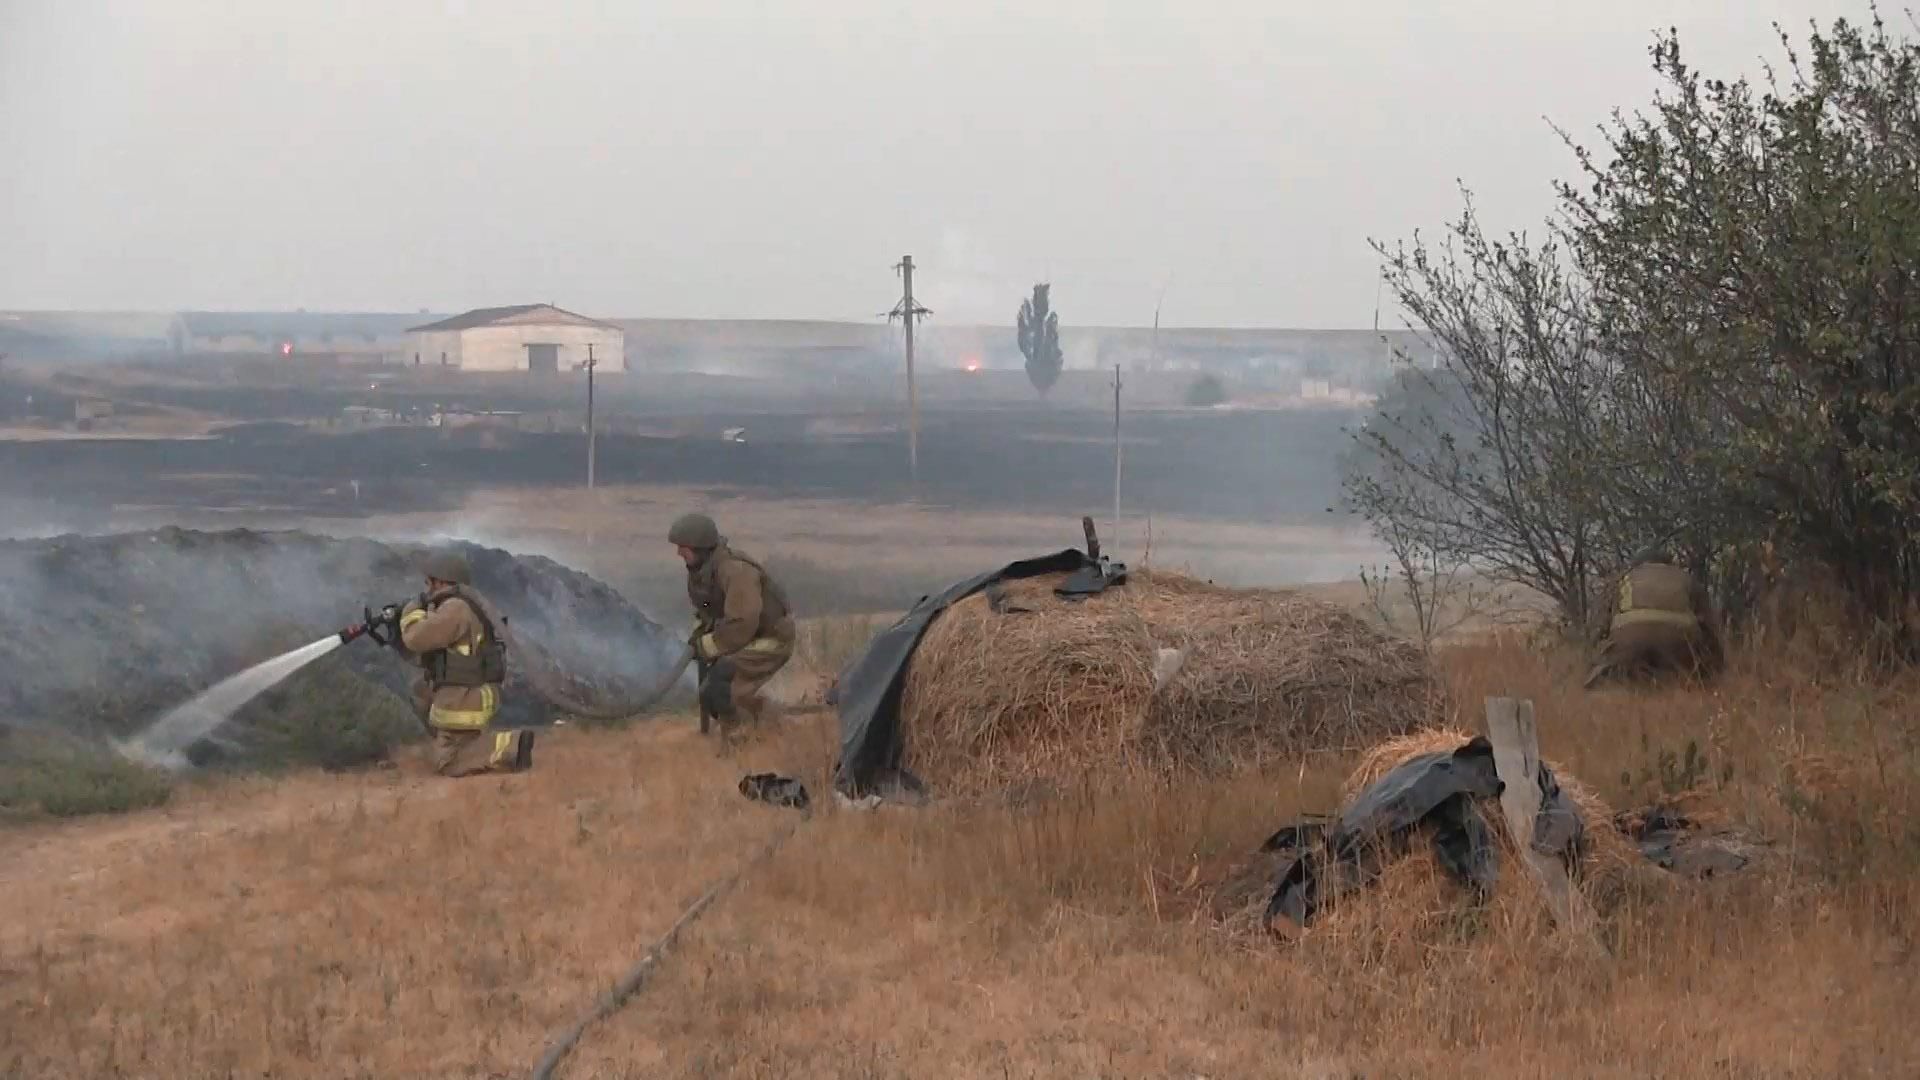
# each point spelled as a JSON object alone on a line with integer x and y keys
{"x": 60, "y": 777}
{"x": 326, "y": 715}
{"x": 1206, "y": 391}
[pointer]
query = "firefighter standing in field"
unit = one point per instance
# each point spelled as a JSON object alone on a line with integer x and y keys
{"x": 1661, "y": 623}
{"x": 743, "y": 626}
{"x": 463, "y": 668}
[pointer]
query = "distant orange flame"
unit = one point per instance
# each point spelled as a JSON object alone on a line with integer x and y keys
{"x": 972, "y": 363}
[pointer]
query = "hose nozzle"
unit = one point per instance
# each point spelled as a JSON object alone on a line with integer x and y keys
{"x": 382, "y": 626}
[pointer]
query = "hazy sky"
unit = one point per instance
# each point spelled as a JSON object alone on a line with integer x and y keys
{"x": 710, "y": 158}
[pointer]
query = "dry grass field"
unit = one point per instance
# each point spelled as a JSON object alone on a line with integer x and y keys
{"x": 392, "y": 924}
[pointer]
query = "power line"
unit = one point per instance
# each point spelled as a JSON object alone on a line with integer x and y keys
{"x": 591, "y": 364}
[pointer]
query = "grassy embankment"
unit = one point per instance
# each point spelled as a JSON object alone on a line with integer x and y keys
{"x": 384, "y": 923}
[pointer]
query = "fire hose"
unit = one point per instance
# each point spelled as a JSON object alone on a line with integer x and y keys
{"x": 383, "y": 628}
{"x": 607, "y": 1004}
{"x": 565, "y": 702}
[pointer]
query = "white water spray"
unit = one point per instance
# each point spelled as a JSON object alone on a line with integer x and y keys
{"x": 165, "y": 741}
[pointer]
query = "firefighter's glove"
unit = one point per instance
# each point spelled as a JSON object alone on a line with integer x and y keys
{"x": 704, "y": 647}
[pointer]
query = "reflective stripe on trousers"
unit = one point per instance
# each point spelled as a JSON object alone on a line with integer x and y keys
{"x": 759, "y": 645}
{"x": 504, "y": 744}
{"x": 467, "y": 719}
{"x": 1653, "y": 617}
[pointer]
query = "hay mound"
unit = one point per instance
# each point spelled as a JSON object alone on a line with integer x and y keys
{"x": 1414, "y": 903}
{"x": 1607, "y": 849}
{"x": 1024, "y": 685}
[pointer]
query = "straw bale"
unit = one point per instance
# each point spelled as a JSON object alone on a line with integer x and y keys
{"x": 1415, "y": 896}
{"x": 1066, "y": 687}
{"x": 1414, "y": 901}
{"x": 1385, "y": 756}
{"x": 1607, "y": 847}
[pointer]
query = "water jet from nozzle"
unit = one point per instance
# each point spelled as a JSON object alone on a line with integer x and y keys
{"x": 165, "y": 741}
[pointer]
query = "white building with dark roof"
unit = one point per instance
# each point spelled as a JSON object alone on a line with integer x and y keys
{"x": 536, "y": 338}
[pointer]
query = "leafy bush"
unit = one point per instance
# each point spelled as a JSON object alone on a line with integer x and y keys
{"x": 326, "y": 715}
{"x": 1206, "y": 391}
{"x": 1717, "y": 349}
{"x": 60, "y": 777}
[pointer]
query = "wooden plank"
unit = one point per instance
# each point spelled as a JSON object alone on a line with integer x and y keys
{"x": 1516, "y": 758}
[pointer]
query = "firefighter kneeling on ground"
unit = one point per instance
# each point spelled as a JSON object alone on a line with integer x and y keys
{"x": 1661, "y": 623}
{"x": 463, "y": 668}
{"x": 743, "y": 630}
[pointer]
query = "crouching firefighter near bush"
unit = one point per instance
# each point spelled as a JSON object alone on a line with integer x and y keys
{"x": 743, "y": 630}
{"x": 1661, "y": 623}
{"x": 463, "y": 665}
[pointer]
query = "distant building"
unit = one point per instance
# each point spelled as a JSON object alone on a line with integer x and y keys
{"x": 537, "y": 338}
{"x": 1325, "y": 391}
{"x": 365, "y": 415}
{"x": 89, "y": 411}
{"x": 370, "y": 337}
{"x": 459, "y": 417}
{"x": 44, "y": 335}
{"x": 761, "y": 348}
{"x": 1273, "y": 354}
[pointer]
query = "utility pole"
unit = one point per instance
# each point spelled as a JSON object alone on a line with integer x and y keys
{"x": 591, "y": 363}
{"x": 1116, "y": 453}
{"x": 908, "y": 310}
{"x": 1386, "y": 349}
{"x": 1157, "y": 302}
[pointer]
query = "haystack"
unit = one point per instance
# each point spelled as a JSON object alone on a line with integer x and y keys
{"x": 1606, "y": 847}
{"x": 1415, "y": 902}
{"x": 1019, "y": 684}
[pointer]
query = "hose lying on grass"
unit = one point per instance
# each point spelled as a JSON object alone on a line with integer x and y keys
{"x": 564, "y": 700}
{"x": 636, "y": 978}
{"x": 567, "y": 703}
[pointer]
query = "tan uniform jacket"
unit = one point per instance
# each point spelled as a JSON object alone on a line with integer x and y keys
{"x": 1659, "y": 593}
{"x": 452, "y": 624}
{"x": 737, "y": 605}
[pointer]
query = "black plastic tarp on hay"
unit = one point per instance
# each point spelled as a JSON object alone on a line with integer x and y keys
{"x": 1436, "y": 793}
{"x": 868, "y": 692}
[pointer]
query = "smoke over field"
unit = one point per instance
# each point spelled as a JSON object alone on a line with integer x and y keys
{"x": 99, "y": 635}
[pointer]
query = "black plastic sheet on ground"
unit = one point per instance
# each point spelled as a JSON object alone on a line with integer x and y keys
{"x": 1671, "y": 840}
{"x": 868, "y": 692}
{"x": 775, "y": 789}
{"x": 1434, "y": 794}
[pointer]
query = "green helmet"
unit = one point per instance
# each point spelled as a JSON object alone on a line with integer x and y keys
{"x": 448, "y": 566}
{"x": 696, "y": 531}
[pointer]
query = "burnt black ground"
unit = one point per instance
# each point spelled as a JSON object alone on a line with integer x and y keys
{"x": 1251, "y": 466}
